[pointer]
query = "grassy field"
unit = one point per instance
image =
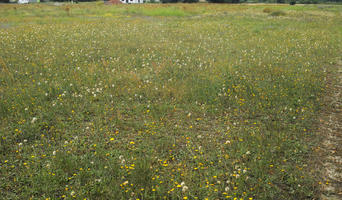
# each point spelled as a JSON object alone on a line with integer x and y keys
{"x": 196, "y": 101}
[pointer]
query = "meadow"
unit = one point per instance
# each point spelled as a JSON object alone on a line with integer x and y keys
{"x": 161, "y": 101}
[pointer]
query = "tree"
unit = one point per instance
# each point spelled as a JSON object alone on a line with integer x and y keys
{"x": 224, "y": 1}
{"x": 178, "y": 1}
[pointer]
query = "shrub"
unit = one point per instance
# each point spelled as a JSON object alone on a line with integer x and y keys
{"x": 267, "y": 10}
{"x": 170, "y": 1}
{"x": 179, "y": 1}
{"x": 190, "y": 1}
{"x": 292, "y": 2}
{"x": 224, "y": 1}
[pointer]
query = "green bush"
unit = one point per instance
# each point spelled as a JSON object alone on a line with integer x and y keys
{"x": 190, "y": 1}
{"x": 170, "y": 1}
{"x": 267, "y": 10}
{"x": 179, "y": 1}
{"x": 224, "y": 1}
{"x": 309, "y": 1}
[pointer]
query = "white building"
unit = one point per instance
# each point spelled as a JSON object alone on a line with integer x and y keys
{"x": 23, "y": 1}
{"x": 132, "y": 1}
{"x": 28, "y": 1}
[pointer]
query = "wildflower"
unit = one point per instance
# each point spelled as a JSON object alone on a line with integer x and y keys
{"x": 34, "y": 119}
{"x": 125, "y": 183}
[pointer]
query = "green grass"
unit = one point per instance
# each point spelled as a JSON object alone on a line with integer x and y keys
{"x": 162, "y": 101}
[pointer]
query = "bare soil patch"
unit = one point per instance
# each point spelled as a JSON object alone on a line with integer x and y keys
{"x": 330, "y": 149}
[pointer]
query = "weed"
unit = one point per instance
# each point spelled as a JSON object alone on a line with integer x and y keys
{"x": 278, "y": 13}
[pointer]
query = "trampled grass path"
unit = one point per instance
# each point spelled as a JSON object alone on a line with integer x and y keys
{"x": 331, "y": 146}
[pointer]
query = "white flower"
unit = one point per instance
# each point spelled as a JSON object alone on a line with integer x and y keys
{"x": 34, "y": 119}
{"x": 183, "y": 184}
{"x": 185, "y": 188}
{"x": 226, "y": 189}
{"x": 54, "y": 153}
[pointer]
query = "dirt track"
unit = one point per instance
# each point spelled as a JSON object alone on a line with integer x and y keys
{"x": 331, "y": 146}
